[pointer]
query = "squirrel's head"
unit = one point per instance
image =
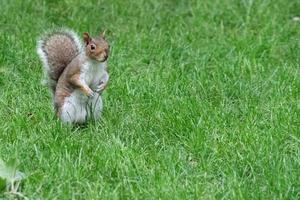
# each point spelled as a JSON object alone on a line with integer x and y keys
{"x": 97, "y": 48}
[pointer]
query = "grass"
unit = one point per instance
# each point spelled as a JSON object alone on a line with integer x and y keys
{"x": 203, "y": 101}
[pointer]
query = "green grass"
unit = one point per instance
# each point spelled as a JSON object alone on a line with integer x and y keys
{"x": 203, "y": 101}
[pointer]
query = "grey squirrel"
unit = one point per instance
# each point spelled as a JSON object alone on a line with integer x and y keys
{"x": 76, "y": 73}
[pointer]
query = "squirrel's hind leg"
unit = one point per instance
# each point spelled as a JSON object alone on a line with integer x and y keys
{"x": 73, "y": 111}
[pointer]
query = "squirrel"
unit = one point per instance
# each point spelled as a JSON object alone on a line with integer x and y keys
{"x": 75, "y": 72}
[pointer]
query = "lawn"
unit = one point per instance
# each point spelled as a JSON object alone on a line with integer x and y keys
{"x": 203, "y": 101}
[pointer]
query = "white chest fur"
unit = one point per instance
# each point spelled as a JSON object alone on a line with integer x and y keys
{"x": 92, "y": 73}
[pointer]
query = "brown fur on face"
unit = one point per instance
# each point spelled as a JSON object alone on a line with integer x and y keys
{"x": 96, "y": 48}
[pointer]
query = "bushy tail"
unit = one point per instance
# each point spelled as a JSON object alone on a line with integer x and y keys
{"x": 57, "y": 50}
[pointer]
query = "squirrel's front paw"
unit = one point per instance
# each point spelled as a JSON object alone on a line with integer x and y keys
{"x": 91, "y": 94}
{"x": 101, "y": 87}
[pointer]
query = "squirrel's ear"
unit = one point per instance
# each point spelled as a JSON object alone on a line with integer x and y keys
{"x": 86, "y": 37}
{"x": 102, "y": 34}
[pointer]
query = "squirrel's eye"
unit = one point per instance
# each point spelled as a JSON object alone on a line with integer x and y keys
{"x": 93, "y": 47}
